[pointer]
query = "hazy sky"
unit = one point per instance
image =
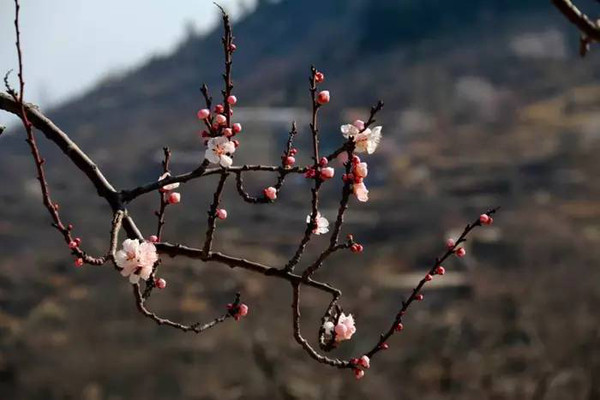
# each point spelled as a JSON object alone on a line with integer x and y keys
{"x": 70, "y": 44}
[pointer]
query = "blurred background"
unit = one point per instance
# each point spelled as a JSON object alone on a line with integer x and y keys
{"x": 487, "y": 104}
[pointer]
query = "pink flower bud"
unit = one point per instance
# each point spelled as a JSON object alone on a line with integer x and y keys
{"x": 484, "y": 219}
{"x": 319, "y": 77}
{"x": 232, "y": 100}
{"x": 236, "y": 143}
{"x": 221, "y": 119}
{"x": 72, "y": 244}
{"x": 78, "y": 241}
{"x": 243, "y": 310}
{"x": 70, "y": 227}
{"x": 327, "y": 173}
{"x": 153, "y": 239}
{"x": 450, "y": 243}
{"x": 359, "y": 373}
{"x": 204, "y": 113}
{"x": 355, "y": 159}
{"x": 79, "y": 262}
{"x": 289, "y": 160}
{"x": 323, "y": 97}
{"x": 440, "y": 270}
{"x": 161, "y": 283}
{"x": 219, "y": 109}
{"x": 323, "y": 161}
{"x": 399, "y": 327}
{"x": 174, "y": 198}
{"x": 419, "y": 297}
{"x": 204, "y": 134}
{"x": 270, "y": 193}
{"x": 428, "y": 277}
{"x": 232, "y": 47}
{"x": 365, "y": 362}
{"x": 384, "y": 346}
{"x": 359, "y": 124}
{"x": 228, "y": 132}
{"x": 461, "y": 252}
{"x": 293, "y": 151}
{"x": 237, "y": 127}
{"x": 357, "y": 248}
{"x": 221, "y": 213}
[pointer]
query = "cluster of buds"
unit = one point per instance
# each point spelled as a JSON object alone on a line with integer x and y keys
{"x": 322, "y": 171}
{"x": 359, "y": 171}
{"x": 323, "y": 97}
{"x": 360, "y": 365}
{"x": 216, "y": 122}
{"x": 288, "y": 159}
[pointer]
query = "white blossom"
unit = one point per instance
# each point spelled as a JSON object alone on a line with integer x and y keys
{"x": 321, "y": 222}
{"x": 366, "y": 141}
{"x": 219, "y": 151}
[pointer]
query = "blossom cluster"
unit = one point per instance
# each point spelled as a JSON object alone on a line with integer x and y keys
{"x": 136, "y": 260}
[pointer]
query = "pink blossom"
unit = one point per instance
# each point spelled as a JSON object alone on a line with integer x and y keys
{"x": 345, "y": 327}
{"x": 79, "y": 262}
{"x": 232, "y": 100}
{"x": 450, "y": 243}
{"x": 153, "y": 239}
{"x": 270, "y": 193}
{"x": 227, "y": 132}
{"x": 219, "y": 109}
{"x": 461, "y": 252}
{"x": 73, "y": 244}
{"x": 440, "y": 270}
{"x": 360, "y": 191}
{"x": 237, "y": 127}
{"x": 322, "y": 225}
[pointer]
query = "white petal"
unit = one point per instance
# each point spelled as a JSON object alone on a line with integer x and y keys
{"x": 211, "y": 156}
{"x": 228, "y": 147}
{"x": 131, "y": 245}
{"x": 374, "y": 140}
{"x": 226, "y": 161}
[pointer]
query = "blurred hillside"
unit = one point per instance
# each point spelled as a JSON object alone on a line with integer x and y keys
{"x": 486, "y": 104}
